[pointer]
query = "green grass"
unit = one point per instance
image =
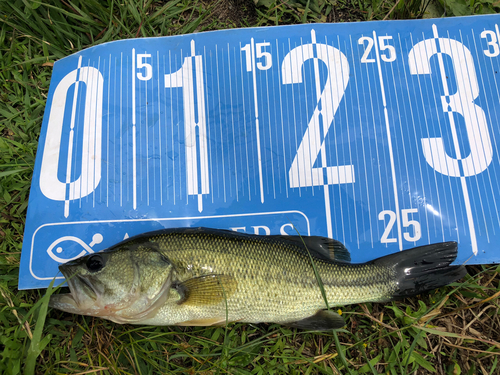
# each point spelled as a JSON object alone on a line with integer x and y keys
{"x": 462, "y": 335}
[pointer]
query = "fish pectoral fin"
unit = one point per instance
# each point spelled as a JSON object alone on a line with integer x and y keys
{"x": 323, "y": 320}
{"x": 206, "y": 290}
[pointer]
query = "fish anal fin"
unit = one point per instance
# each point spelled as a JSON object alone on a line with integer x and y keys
{"x": 206, "y": 290}
{"x": 323, "y": 320}
{"x": 217, "y": 321}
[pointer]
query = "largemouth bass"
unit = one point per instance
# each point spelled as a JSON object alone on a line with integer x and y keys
{"x": 200, "y": 276}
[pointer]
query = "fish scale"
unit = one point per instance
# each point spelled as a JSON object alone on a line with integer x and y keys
{"x": 201, "y": 276}
{"x": 275, "y": 279}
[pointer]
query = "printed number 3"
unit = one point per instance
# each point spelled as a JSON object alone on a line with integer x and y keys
{"x": 462, "y": 102}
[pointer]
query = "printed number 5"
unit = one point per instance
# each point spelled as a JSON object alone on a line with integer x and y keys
{"x": 141, "y": 57}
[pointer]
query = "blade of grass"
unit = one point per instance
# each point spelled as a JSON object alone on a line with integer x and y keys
{"x": 37, "y": 343}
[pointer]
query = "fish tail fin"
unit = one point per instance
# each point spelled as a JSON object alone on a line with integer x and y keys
{"x": 423, "y": 268}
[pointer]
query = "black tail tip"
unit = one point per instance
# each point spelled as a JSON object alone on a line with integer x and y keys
{"x": 425, "y": 268}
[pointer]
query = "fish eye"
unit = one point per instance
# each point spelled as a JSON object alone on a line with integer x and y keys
{"x": 95, "y": 263}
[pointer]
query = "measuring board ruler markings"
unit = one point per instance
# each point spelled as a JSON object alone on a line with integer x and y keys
{"x": 382, "y": 135}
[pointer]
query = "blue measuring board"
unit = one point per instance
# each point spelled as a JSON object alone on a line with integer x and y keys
{"x": 383, "y": 135}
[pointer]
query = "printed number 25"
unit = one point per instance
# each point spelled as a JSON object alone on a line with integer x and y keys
{"x": 417, "y": 231}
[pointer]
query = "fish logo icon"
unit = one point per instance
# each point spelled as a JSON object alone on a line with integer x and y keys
{"x": 56, "y": 247}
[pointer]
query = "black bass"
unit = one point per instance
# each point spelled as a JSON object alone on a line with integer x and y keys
{"x": 200, "y": 276}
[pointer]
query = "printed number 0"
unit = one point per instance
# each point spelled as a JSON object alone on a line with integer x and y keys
{"x": 302, "y": 173}
{"x": 90, "y": 176}
{"x": 462, "y": 102}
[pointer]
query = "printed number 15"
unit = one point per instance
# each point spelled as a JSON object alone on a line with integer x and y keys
{"x": 259, "y": 53}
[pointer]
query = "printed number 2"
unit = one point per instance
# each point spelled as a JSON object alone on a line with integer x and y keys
{"x": 302, "y": 173}
{"x": 417, "y": 231}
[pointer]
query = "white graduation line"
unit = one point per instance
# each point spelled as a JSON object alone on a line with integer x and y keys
{"x": 270, "y": 132}
{"x": 141, "y": 144}
{"x": 220, "y": 124}
{"x": 204, "y": 61}
{"x": 463, "y": 181}
{"x": 179, "y": 132}
{"x": 436, "y": 159}
{"x": 107, "y": 136}
{"x": 127, "y": 149}
{"x": 257, "y": 126}
{"x": 401, "y": 131}
{"x": 164, "y": 186}
{"x": 423, "y": 193}
{"x": 232, "y": 121}
{"x": 275, "y": 121}
{"x": 172, "y": 127}
{"x": 346, "y": 48}
{"x": 94, "y": 193}
{"x": 146, "y": 127}
{"x": 159, "y": 129}
{"x": 91, "y": 81}
{"x": 493, "y": 190}
{"x": 326, "y": 188}
{"x": 294, "y": 117}
{"x": 312, "y": 139}
{"x": 201, "y": 124}
{"x": 376, "y": 148}
{"x": 389, "y": 144}
{"x": 134, "y": 142}
{"x": 326, "y": 108}
{"x": 71, "y": 136}
{"x": 349, "y": 145}
{"x": 362, "y": 145}
{"x": 282, "y": 124}
{"x": 215, "y": 132}
{"x": 121, "y": 129}
{"x": 88, "y": 148}
{"x": 245, "y": 126}
{"x": 474, "y": 113}
{"x": 113, "y": 165}
{"x": 225, "y": 133}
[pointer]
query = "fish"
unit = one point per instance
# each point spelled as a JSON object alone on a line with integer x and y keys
{"x": 207, "y": 277}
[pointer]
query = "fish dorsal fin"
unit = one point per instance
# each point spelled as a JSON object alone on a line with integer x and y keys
{"x": 206, "y": 290}
{"x": 323, "y": 320}
{"x": 321, "y": 247}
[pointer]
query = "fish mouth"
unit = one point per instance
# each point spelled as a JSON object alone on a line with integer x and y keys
{"x": 79, "y": 285}
{"x": 81, "y": 294}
